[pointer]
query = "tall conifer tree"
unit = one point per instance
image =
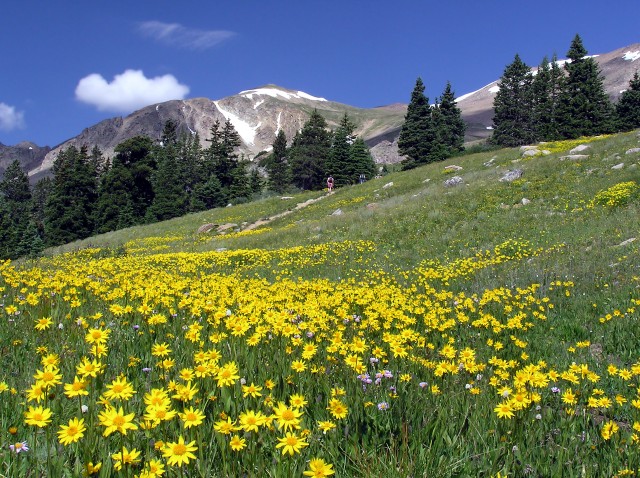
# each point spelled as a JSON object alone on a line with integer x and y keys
{"x": 69, "y": 208}
{"x": 339, "y": 163}
{"x": 279, "y": 171}
{"x": 513, "y": 112}
{"x": 584, "y": 108}
{"x": 628, "y": 106}
{"x": 308, "y": 153}
{"x": 449, "y": 125}
{"x": 417, "y": 134}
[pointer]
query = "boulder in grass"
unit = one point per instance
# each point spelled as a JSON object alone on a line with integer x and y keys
{"x": 452, "y": 167}
{"x": 512, "y": 175}
{"x": 206, "y": 228}
{"x": 454, "y": 181}
{"x": 579, "y": 148}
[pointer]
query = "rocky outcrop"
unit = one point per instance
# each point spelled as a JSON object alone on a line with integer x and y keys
{"x": 29, "y": 155}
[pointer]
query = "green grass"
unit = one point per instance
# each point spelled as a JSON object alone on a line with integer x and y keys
{"x": 413, "y": 261}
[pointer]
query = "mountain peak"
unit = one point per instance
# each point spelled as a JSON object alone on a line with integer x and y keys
{"x": 275, "y": 91}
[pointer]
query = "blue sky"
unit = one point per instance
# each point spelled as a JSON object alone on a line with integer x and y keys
{"x": 67, "y": 65}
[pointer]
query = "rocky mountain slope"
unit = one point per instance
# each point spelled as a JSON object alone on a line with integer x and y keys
{"x": 258, "y": 115}
{"x": 29, "y": 154}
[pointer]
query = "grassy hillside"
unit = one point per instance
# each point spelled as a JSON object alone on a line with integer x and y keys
{"x": 395, "y": 328}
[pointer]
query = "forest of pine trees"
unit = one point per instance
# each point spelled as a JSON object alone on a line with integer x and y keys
{"x": 147, "y": 181}
{"x": 560, "y": 103}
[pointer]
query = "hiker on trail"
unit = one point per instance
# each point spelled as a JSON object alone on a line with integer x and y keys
{"x": 330, "y": 183}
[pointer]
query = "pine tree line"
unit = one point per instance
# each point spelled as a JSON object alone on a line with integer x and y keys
{"x": 316, "y": 153}
{"x": 558, "y": 102}
{"x": 149, "y": 181}
{"x": 430, "y": 132}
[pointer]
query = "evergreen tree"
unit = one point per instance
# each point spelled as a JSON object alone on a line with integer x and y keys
{"x": 339, "y": 161}
{"x": 114, "y": 208}
{"x": 31, "y": 243}
{"x": 628, "y": 106}
{"x": 513, "y": 118}
{"x": 15, "y": 185}
{"x": 39, "y": 195}
{"x": 97, "y": 161}
{"x": 169, "y": 198}
{"x": 584, "y": 108}
{"x": 309, "y": 152}
{"x": 7, "y": 237}
{"x": 448, "y": 124}
{"x": 69, "y": 207}
{"x": 417, "y": 133}
{"x": 546, "y": 88}
{"x": 226, "y": 159}
{"x": 136, "y": 156}
{"x": 256, "y": 183}
{"x": 190, "y": 162}
{"x": 169, "y": 195}
{"x": 220, "y": 160}
{"x": 278, "y": 169}
{"x": 239, "y": 190}
{"x": 361, "y": 160}
{"x": 17, "y": 195}
{"x": 208, "y": 195}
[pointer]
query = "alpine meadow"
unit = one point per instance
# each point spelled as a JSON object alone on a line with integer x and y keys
{"x": 181, "y": 311}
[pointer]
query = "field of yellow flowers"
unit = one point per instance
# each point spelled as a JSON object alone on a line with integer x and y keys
{"x": 333, "y": 350}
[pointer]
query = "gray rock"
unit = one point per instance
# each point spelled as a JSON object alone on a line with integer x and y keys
{"x": 454, "y": 181}
{"x": 226, "y": 227}
{"x": 627, "y": 242}
{"x": 337, "y": 212}
{"x": 574, "y": 157}
{"x": 453, "y": 167}
{"x": 286, "y": 197}
{"x": 206, "y": 228}
{"x": 530, "y": 152}
{"x": 618, "y": 166}
{"x": 525, "y": 201}
{"x": 632, "y": 151}
{"x": 512, "y": 175}
{"x": 490, "y": 162}
{"x": 388, "y": 185}
{"x": 579, "y": 148}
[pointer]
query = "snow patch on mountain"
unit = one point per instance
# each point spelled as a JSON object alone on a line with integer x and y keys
{"x": 258, "y": 103}
{"x": 279, "y": 124}
{"x": 244, "y": 129}
{"x": 631, "y": 55}
{"x": 492, "y": 89}
{"x": 275, "y": 92}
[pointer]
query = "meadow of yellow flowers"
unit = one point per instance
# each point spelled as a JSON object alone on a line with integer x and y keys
{"x": 154, "y": 362}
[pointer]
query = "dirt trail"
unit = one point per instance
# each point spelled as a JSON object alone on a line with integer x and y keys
{"x": 301, "y": 205}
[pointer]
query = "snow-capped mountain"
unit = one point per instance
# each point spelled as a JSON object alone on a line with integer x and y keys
{"x": 258, "y": 114}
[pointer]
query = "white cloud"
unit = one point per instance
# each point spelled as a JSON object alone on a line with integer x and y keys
{"x": 178, "y": 35}
{"x": 10, "y": 119}
{"x": 128, "y": 91}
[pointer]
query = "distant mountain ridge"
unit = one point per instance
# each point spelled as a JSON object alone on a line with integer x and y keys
{"x": 258, "y": 114}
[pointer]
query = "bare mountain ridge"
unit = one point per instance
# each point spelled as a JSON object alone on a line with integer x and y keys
{"x": 29, "y": 154}
{"x": 258, "y": 115}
